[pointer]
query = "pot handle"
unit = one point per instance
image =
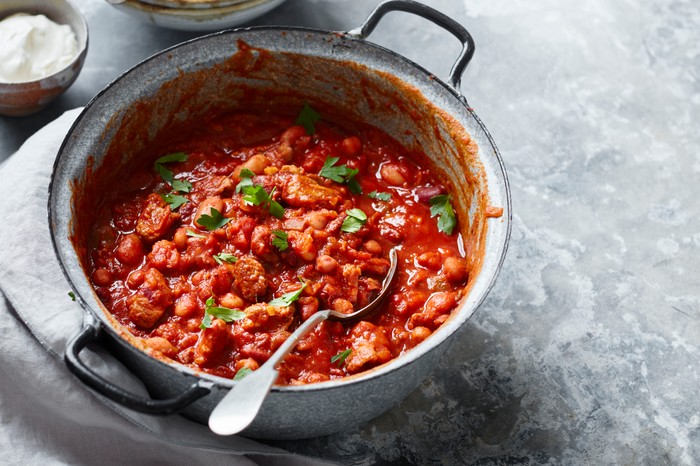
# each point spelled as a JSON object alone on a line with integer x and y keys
{"x": 91, "y": 332}
{"x": 431, "y": 14}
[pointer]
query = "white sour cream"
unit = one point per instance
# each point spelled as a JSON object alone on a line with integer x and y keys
{"x": 34, "y": 47}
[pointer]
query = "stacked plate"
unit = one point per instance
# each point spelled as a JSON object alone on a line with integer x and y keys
{"x": 196, "y": 15}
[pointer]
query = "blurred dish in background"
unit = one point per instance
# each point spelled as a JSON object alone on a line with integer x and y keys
{"x": 198, "y": 15}
{"x": 189, "y": 4}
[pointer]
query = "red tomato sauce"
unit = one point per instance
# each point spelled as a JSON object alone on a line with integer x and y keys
{"x": 195, "y": 281}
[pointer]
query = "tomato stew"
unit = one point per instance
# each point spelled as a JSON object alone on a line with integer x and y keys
{"x": 214, "y": 247}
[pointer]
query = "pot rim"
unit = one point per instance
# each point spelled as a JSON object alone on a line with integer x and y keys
{"x": 438, "y": 337}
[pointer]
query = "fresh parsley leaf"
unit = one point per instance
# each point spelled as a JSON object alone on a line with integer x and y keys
{"x": 72, "y": 295}
{"x": 354, "y": 185}
{"x": 206, "y": 322}
{"x": 164, "y": 173}
{"x": 308, "y": 118}
{"x": 441, "y": 207}
{"x": 256, "y": 195}
{"x": 341, "y": 174}
{"x": 174, "y": 201}
{"x": 242, "y": 372}
{"x": 168, "y": 176}
{"x": 244, "y": 183}
{"x": 276, "y": 209}
{"x": 246, "y": 176}
{"x": 225, "y": 257}
{"x": 354, "y": 221}
{"x": 280, "y": 240}
{"x": 341, "y": 357}
{"x": 246, "y": 173}
{"x": 288, "y": 298}
{"x": 174, "y": 157}
{"x": 182, "y": 186}
{"x": 194, "y": 234}
{"x": 223, "y": 313}
{"x": 380, "y": 196}
{"x": 212, "y": 221}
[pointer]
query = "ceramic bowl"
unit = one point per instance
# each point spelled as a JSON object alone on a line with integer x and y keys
{"x": 211, "y": 16}
{"x": 26, "y": 98}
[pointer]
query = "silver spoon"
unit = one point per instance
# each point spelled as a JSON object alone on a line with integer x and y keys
{"x": 241, "y": 404}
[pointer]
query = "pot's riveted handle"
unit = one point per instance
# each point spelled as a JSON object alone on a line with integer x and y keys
{"x": 431, "y": 14}
{"x": 89, "y": 333}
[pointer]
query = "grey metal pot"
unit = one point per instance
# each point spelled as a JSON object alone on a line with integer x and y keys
{"x": 345, "y": 77}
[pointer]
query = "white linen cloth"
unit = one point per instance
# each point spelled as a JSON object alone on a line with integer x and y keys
{"x": 47, "y": 416}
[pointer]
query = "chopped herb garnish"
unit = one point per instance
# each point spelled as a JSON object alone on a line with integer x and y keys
{"x": 212, "y": 221}
{"x": 242, "y": 372}
{"x": 174, "y": 157}
{"x": 246, "y": 179}
{"x": 440, "y": 206}
{"x": 308, "y": 118}
{"x": 256, "y": 195}
{"x": 225, "y": 257}
{"x": 174, "y": 201}
{"x": 246, "y": 173}
{"x": 288, "y": 298}
{"x": 183, "y": 186}
{"x": 341, "y": 174}
{"x": 72, "y": 295}
{"x": 280, "y": 240}
{"x": 223, "y": 313}
{"x": 194, "y": 234}
{"x": 341, "y": 357}
{"x": 380, "y": 196}
{"x": 354, "y": 221}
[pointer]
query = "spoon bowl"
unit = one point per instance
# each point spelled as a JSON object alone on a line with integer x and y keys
{"x": 241, "y": 404}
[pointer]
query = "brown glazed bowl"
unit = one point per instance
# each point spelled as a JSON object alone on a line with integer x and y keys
{"x": 26, "y": 98}
{"x": 338, "y": 73}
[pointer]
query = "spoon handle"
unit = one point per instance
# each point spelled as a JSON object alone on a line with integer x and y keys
{"x": 241, "y": 404}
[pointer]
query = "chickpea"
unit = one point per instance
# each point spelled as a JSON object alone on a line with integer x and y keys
{"x": 162, "y": 345}
{"x": 130, "y": 250}
{"x": 342, "y": 305}
{"x": 326, "y": 264}
{"x": 318, "y": 219}
{"x": 391, "y": 173}
{"x": 430, "y": 260}
{"x": 455, "y": 269}
{"x": 292, "y": 134}
{"x": 248, "y": 363}
{"x": 186, "y": 305}
{"x": 135, "y": 279}
{"x": 419, "y": 334}
{"x": 101, "y": 277}
{"x": 373, "y": 247}
{"x": 256, "y": 164}
{"x": 351, "y": 146}
{"x": 180, "y": 238}
{"x": 285, "y": 152}
{"x": 232, "y": 301}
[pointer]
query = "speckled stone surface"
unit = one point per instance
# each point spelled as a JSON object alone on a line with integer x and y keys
{"x": 587, "y": 350}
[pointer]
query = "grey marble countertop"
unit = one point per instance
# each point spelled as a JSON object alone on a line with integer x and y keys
{"x": 587, "y": 350}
